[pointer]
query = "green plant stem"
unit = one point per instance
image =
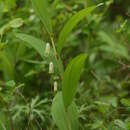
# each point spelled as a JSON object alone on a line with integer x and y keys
{"x": 68, "y": 121}
{"x": 54, "y": 48}
{"x": 56, "y": 55}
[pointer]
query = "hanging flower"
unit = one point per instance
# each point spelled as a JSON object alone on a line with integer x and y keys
{"x": 51, "y": 68}
{"x": 47, "y": 49}
{"x": 55, "y": 86}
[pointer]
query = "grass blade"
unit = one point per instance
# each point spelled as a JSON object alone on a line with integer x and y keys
{"x": 41, "y": 8}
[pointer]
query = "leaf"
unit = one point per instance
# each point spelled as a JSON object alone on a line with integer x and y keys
{"x": 41, "y": 8}
{"x": 37, "y": 44}
{"x": 10, "y": 83}
{"x": 74, "y": 20}
{"x": 97, "y": 125}
{"x": 65, "y": 120}
{"x": 16, "y": 23}
{"x": 113, "y": 46}
{"x": 126, "y": 102}
{"x": 54, "y": 4}
{"x": 71, "y": 77}
{"x": 120, "y": 124}
{"x": 6, "y": 66}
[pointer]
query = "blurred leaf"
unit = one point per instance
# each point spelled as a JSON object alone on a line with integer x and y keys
{"x": 125, "y": 102}
{"x": 4, "y": 29}
{"x": 42, "y": 10}
{"x": 122, "y": 27}
{"x": 120, "y": 124}
{"x": 102, "y": 107}
{"x": 64, "y": 119}
{"x": 7, "y": 66}
{"x": 113, "y": 46}
{"x": 96, "y": 125}
{"x": 16, "y": 23}
{"x": 54, "y": 4}
{"x": 10, "y": 83}
{"x": 71, "y": 77}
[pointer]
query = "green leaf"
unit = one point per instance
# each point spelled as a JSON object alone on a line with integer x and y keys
{"x": 33, "y": 42}
{"x": 10, "y": 83}
{"x": 120, "y": 124}
{"x": 6, "y": 65}
{"x": 64, "y": 119}
{"x": 71, "y": 78}
{"x": 74, "y": 20}
{"x": 126, "y": 102}
{"x": 16, "y": 23}
{"x": 41, "y": 8}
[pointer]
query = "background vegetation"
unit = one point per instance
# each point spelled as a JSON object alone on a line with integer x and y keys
{"x": 27, "y": 88}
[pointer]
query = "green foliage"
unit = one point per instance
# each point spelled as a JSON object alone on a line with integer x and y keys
{"x": 42, "y": 9}
{"x": 71, "y": 77}
{"x": 33, "y": 42}
{"x": 116, "y": 49}
{"x": 71, "y": 24}
{"x": 6, "y": 65}
{"x": 64, "y": 65}
{"x": 66, "y": 119}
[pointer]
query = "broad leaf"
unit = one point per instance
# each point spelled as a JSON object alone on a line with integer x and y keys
{"x": 74, "y": 20}
{"x": 71, "y": 77}
{"x": 37, "y": 44}
{"x": 64, "y": 119}
{"x": 41, "y": 8}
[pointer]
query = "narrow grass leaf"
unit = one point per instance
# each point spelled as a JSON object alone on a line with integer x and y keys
{"x": 42, "y": 9}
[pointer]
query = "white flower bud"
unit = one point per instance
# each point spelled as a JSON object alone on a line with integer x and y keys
{"x": 51, "y": 68}
{"x": 32, "y": 17}
{"x": 47, "y": 49}
{"x": 55, "y": 86}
